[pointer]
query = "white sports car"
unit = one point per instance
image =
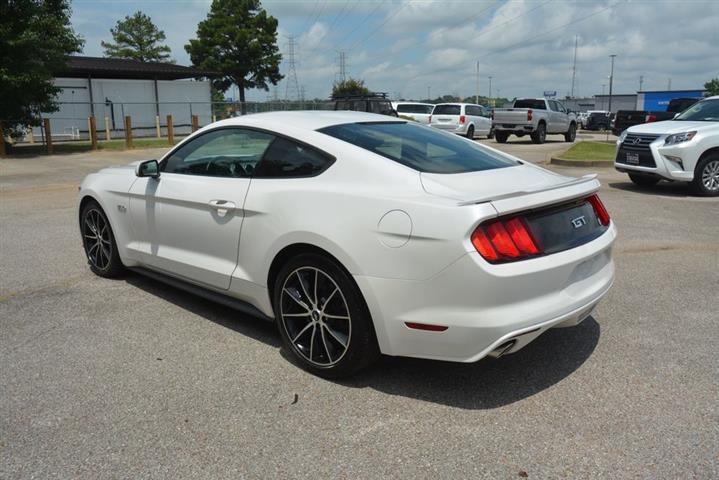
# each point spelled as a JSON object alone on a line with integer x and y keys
{"x": 358, "y": 234}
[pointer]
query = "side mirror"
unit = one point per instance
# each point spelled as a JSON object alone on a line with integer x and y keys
{"x": 148, "y": 168}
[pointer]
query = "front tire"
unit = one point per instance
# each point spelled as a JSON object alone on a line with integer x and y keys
{"x": 706, "y": 176}
{"x": 99, "y": 243}
{"x": 322, "y": 318}
{"x": 540, "y": 135}
{"x": 501, "y": 137}
{"x": 642, "y": 180}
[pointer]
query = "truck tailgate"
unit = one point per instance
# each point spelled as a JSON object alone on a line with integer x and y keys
{"x": 513, "y": 116}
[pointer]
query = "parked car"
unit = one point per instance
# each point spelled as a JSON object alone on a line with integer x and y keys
{"x": 536, "y": 117}
{"x": 599, "y": 120}
{"x": 443, "y": 249}
{"x": 465, "y": 119}
{"x": 629, "y": 118}
{"x": 376, "y": 102}
{"x": 419, "y": 112}
{"x": 685, "y": 149}
{"x": 582, "y": 119}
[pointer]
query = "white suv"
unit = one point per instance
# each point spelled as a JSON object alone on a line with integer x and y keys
{"x": 685, "y": 149}
{"x": 462, "y": 118}
{"x": 420, "y": 112}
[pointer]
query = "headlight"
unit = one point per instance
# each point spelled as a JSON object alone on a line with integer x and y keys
{"x": 679, "y": 138}
{"x": 622, "y": 136}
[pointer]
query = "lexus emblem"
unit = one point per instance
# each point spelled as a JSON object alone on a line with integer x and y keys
{"x": 634, "y": 140}
{"x": 579, "y": 222}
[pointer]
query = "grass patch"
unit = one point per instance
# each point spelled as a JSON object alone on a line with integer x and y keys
{"x": 85, "y": 146}
{"x": 590, "y": 151}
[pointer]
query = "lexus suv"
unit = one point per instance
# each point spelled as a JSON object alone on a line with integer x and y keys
{"x": 685, "y": 149}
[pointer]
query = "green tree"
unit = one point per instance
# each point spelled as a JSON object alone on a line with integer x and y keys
{"x": 712, "y": 87}
{"x": 35, "y": 39}
{"x": 238, "y": 40}
{"x": 351, "y": 86}
{"x": 136, "y": 37}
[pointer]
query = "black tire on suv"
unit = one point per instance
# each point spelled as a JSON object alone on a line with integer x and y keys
{"x": 571, "y": 133}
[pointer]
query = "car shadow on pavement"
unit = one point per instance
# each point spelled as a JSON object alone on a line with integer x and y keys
{"x": 489, "y": 383}
{"x": 225, "y": 316}
{"x": 673, "y": 189}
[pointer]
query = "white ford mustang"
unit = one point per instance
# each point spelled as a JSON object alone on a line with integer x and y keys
{"x": 359, "y": 235}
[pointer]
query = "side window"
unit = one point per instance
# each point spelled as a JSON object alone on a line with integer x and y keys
{"x": 227, "y": 152}
{"x": 285, "y": 158}
{"x": 552, "y": 105}
{"x": 560, "y": 107}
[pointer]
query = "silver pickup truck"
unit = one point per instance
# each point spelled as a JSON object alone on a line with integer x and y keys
{"x": 536, "y": 117}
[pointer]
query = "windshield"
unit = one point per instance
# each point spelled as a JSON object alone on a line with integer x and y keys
{"x": 418, "y": 147}
{"x": 447, "y": 110}
{"x": 535, "y": 103}
{"x": 414, "y": 108}
{"x": 704, "y": 111}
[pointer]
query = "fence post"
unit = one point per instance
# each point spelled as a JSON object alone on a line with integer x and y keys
{"x": 214, "y": 118}
{"x": 2, "y": 141}
{"x": 107, "y": 129}
{"x": 170, "y": 131}
{"x": 128, "y": 131}
{"x": 48, "y": 135}
{"x": 30, "y": 137}
{"x": 157, "y": 125}
{"x": 195, "y": 123}
{"x": 93, "y": 132}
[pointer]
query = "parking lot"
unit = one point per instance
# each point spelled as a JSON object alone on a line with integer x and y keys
{"x": 131, "y": 378}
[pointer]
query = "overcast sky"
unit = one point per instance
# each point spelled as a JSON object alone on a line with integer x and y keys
{"x": 405, "y": 46}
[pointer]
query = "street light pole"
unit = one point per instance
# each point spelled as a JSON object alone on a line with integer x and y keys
{"x": 611, "y": 81}
{"x": 429, "y": 97}
{"x": 490, "y": 86}
{"x": 476, "y": 98}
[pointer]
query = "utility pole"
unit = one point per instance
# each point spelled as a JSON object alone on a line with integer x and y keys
{"x": 429, "y": 95}
{"x": 490, "y": 86}
{"x": 669, "y": 84}
{"x": 574, "y": 65}
{"x": 611, "y": 81}
{"x": 292, "y": 87}
{"x": 641, "y": 82}
{"x": 476, "y": 97}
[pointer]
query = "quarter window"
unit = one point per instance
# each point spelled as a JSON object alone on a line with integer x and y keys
{"x": 227, "y": 152}
{"x": 285, "y": 158}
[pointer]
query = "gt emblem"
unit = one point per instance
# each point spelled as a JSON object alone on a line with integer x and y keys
{"x": 579, "y": 222}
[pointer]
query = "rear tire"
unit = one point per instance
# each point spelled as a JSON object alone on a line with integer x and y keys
{"x": 322, "y": 318}
{"x": 470, "y": 132}
{"x": 706, "y": 176}
{"x": 571, "y": 133}
{"x": 643, "y": 180}
{"x": 539, "y": 135}
{"x": 99, "y": 243}
{"x": 501, "y": 137}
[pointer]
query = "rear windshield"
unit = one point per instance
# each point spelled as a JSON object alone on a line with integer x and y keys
{"x": 447, "y": 110}
{"x": 414, "y": 108}
{"x": 536, "y": 104}
{"x": 419, "y": 147}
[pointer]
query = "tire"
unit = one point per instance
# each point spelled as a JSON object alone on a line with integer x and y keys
{"x": 706, "y": 176}
{"x": 501, "y": 137}
{"x": 328, "y": 331}
{"x": 643, "y": 180}
{"x": 539, "y": 135}
{"x": 98, "y": 241}
{"x": 470, "y": 132}
{"x": 490, "y": 135}
{"x": 571, "y": 133}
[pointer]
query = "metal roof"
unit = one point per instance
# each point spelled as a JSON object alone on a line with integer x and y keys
{"x": 99, "y": 67}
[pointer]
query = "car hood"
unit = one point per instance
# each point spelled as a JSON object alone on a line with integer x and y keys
{"x": 668, "y": 127}
{"x": 499, "y": 182}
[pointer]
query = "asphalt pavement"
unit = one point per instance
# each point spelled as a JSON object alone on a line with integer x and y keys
{"x": 130, "y": 378}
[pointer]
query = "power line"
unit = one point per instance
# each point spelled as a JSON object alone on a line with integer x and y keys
{"x": 373, "y": 31}
{"x": 349, "y": 35}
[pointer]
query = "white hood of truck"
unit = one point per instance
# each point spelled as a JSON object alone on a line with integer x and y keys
{"x": 669, "y": 127}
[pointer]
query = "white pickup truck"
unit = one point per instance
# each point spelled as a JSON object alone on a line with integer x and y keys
{"x": 536, "y": 117}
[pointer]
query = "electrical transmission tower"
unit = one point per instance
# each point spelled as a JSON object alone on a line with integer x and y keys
{"x": 342, "y": 66}
{"x": 292, "y": 87}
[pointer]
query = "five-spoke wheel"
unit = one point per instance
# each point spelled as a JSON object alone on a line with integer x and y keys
{"x": 98, "y": 241}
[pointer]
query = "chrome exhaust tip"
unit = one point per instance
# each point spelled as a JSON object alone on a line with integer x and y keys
{"x": 502, "y": 349}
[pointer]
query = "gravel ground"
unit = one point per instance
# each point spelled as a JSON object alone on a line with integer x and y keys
{"x": 132, "y": 379}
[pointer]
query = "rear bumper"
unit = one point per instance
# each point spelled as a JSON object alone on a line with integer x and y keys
{"x": 484, "y": 305}
{"x": 513, "y": 128}
{"x": 451, "y": 128}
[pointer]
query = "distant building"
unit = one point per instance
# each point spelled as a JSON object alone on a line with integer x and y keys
{"x": 658, "y": 100}
{"x": 112, "y": 88}
{"x": 655, "y": 101}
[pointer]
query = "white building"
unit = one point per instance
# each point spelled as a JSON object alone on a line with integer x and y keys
{"x": 112, "y": 88}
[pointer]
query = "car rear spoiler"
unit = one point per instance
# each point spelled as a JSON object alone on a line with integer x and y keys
{"x": 518, "y": 200}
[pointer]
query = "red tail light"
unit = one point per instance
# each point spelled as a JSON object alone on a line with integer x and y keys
{"x": 461, "y": 119}
{"x": 650, "y": 118}
{"x": 599, "y": 209}
{"x": 529, "y": 115}
{"x": 504, "y": 240}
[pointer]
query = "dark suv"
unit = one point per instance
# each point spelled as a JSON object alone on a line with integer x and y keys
{"x": 375, "y": 102}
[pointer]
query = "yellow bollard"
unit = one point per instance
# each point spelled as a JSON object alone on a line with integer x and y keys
{"x": 157, "y": 125}
{"x": 107, "y": 129}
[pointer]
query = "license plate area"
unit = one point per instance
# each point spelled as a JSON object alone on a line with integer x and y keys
{"x": 632, "y": 158}
{"x": 565, "y": 227}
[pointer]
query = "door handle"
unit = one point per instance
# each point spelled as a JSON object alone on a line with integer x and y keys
{"x": 222, "y": 207}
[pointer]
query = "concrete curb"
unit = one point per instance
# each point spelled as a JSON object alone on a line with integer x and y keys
{"x": 582, "y": 163}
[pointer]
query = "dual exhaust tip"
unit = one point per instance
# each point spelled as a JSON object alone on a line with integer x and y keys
{"x": 502, "y": 349}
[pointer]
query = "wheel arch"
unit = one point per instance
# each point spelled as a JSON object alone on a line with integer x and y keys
{"x": 706, "y": 153}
